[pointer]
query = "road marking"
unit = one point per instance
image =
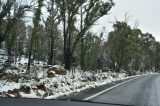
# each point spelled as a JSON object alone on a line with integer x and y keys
{"x": 90, "y": 97}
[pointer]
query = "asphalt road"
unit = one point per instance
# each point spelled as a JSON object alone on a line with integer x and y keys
{"x": 90, "y": 91}
{"x": 143, "y": 91}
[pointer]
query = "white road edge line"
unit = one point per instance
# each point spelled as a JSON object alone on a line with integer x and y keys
{"x": 90, "y": 97}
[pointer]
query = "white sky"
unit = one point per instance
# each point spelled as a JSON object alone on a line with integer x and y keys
{"x": 146, "y": 12}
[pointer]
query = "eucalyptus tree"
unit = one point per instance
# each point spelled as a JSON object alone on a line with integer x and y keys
{"x": 5, "y": 8}
{"x": 54, "y": 45}
{"x": 157, "y": 57}
{"x": 11, "y": 22}
{"x": 69, "y": 10}
{"x": 93, "y": 51}
{"x": 135, "y": 50}
{"x": 147, "y": 41}
{"x": 36, "y": 20}
{"x": 118, "y": 46}
{"x": 54, "y": 20}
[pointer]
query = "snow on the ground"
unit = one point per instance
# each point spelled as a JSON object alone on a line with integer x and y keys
{"x": 31, "y": 95}
{"x": 23, "y": 60}
{"x": 3, "y": 57}
{"x": 6, "y": 86}
{"x": 61, "y": 84}
{"x": 58, "y": 85}
{"x": 39, "y": 85}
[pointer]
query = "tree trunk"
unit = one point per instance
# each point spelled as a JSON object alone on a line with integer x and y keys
{"x": 68, "y": 60}
{"x": 50, "y": 60}
{"x": 82, "y": 44}
{"x": 29, "y": 62}
{"x": 68, "y": 52}
{"x": 1, "y": 39}
{"x": 68, "y": 56}
{"x": 0, "y": 45}
{"x": 10, "y": 56}
{"x": 65, "y": 53}
{"x": 34, "y": 31}
{"x": 82, "y": 54}
{"x": 51, "y": 54}
{"x": 68, "y": 46}
{"x": 65, "y": 38}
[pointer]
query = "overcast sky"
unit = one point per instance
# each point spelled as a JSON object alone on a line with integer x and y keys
{"x": 146, "y": 12}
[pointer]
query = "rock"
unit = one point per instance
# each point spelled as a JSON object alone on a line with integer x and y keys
{"x": 58, "y": 70}
{"x": 13, "y": 68}
{"x": 114, "y": 75}
{"x": 130, "y": 73}
{"x": 51, "y": 74}
{"x": 55, "y": 85}
{"x": 47, "y": 67}
{"x": 26, "y": 89}
{"x": 91, "y": 78}
{"x": 14, "y": 93}
{"x": 7, "y": 63}
{"x": 61, "y": 71}
{"x": 105, "y": 69}
{"x": 8, "y": 76}
{"x": 41, "y": 87}
{"x": 55, "y": 69}
{"x": 35, "y": 90}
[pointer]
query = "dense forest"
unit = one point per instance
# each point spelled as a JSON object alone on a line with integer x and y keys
{"x": 62, "y": 35}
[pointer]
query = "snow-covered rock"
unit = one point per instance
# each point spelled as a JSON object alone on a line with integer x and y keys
{"x": 58, "y": 70}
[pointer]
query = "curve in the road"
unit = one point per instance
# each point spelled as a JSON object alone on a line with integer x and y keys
{"x": 142, "y": 91}
{"x": 99, "y": 93}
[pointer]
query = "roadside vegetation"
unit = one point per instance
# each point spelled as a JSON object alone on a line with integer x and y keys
{"x": 51, "y": 41}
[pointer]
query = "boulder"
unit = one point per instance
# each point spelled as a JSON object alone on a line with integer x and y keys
{"x": 115, "y": 75}
{"x": 7, "y": 63}
{"x": 51, "y": 74}
{"x": 8, "y": 76}
{"x": 61, "y": 71}
{"x": 41, "y": 87}
{"x": 105, "y": 69}
{"x": 47, "y": 67}
{"x": 58, "y": 70}
{"x": 13, "y": 93}
{"x": 26, "y": 89}
{"x": 55, "y": 69}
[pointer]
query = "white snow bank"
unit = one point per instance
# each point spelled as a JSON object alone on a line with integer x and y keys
{"x": 30, "y": 95}
{"x": 6, "y": 86}
{"x": 23, "y": 60}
